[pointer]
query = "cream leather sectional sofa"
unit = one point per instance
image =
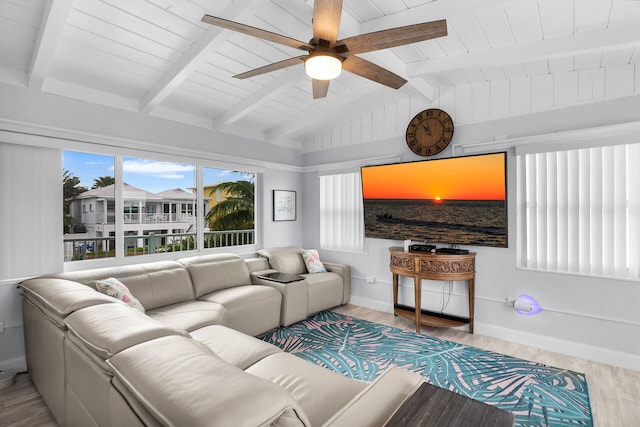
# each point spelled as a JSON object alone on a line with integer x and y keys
{"x": 192, "y": 359}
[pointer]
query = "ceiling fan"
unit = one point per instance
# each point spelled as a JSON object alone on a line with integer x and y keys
{"x": 326, "y": 56}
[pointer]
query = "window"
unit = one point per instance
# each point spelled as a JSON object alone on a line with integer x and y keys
{"x": 88, "y": 181}
{"x": 148, "y": 187}
{"x": 230, "y": 201}
{"x": 579, "y": 211}
{"x": 156, "y": 208}
{"x": 341, "y": 213}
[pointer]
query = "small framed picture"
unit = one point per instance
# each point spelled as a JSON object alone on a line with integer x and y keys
{"x": 284, "y": 205}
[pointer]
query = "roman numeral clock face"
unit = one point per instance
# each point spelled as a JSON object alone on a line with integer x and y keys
{"x": 429, "y": 132}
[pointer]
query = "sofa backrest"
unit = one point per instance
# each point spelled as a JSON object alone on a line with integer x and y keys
{"x": 286, "y": 259}
{"x": 88, "y": 277}
{"x": 155, "y": 284}
{"x": 160, "y": 288}
{"x": 210, "y": 273}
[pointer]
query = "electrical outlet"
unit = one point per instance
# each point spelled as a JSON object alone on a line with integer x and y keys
{"x": 1, "y": 327}
{"x": 371, "y": 279}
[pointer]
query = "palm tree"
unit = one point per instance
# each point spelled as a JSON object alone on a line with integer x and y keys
{"x": 103, "y": 181}
{"x": 70, "y": 188}
{"x": 236, "y": 212}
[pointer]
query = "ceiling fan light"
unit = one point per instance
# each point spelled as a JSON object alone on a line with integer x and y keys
{"x": 323, "y": 66}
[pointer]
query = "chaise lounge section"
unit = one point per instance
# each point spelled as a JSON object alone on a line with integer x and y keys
{"x": 191, "y": 358}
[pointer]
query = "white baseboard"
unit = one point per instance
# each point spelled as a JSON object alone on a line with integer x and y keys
{"x": 17, "y": 364}
{"x": 571, "y": 348}
{"x": 371, "y": 303}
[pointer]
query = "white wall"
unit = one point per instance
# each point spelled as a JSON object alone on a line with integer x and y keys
{"x": 281, "y": 233}
{"x": 488, "y": 101}
{"x": 588, "y": 317}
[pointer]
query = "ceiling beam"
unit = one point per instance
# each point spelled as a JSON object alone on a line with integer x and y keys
{"x": 319, "y": 114}
{"x": 256, "y": 99}
{"x": 213, "y": 38}
{"x": 565, "y": 46}
{"x": 54, "y": 19}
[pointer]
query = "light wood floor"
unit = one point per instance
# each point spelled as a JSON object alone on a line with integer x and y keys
{"x": 614, "y": 392}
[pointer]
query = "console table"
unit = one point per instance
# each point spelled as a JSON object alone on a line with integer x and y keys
{"x": 432, "y": 266}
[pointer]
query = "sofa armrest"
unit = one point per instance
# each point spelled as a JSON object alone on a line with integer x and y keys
{"x": 295, "y": 297}
{"x": 343, "y": 270}
{"x": 378, "y": 402}
{"x": 257, "y": 264}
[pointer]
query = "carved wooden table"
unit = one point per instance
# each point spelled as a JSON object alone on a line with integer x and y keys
{"x": 432, "y": 266}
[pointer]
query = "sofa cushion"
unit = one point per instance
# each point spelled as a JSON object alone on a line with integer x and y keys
{"x": 160, "y": 288}
{"x": 190, "y": 315}
{"x": 214, "y": 276}
{"x": 241, "y": 350}
{"x": 252, "y": 309}
{"x": 183, "y": 383}
{"x": 118, "y": 290}
{"x": 286, "y": 259}
{"x": 319, "y": 391}
{"x": 107, "y": 329}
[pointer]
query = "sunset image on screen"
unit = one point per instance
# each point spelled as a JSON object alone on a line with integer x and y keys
{"x": 457, "y": 201}
{"x": 462, "y": 178}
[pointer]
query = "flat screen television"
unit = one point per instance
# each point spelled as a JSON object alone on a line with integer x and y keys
{"x": 455, "y": 201}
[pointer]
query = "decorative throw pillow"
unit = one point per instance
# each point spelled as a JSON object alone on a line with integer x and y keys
{"x": 116, "y": 289}
{"x": 312, "y": 261}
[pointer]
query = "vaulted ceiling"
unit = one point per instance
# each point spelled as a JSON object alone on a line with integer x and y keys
{"x": 156, "y": 57}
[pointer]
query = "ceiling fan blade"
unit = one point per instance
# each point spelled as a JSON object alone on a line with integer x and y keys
{"x": 320, "y": 88}
{"x": 395, "y": 37}
{"x": 272, "y": 67}
{"x": 371, "y": 71}
{"x": 256, "y": 32}
{"x": 326, "y": 19}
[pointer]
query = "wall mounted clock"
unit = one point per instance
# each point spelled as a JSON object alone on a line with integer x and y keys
{"x": 429, "y": 132}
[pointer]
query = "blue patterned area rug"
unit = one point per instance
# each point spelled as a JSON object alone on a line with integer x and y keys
{"x": 538, "y": 395}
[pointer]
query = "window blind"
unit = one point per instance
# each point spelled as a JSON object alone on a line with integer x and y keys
{"x": 341, "y": 213}
{"x": 579, "y": 211}
{"x": 31, "y": 212}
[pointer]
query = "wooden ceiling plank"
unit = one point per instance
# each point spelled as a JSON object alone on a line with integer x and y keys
{"x": 53, "y": 22}
{"x": 571, "y": 45}
{"x": 194, "y": 56}
{"x": 256, "y": 99}
{"x": 429, "y": 12}
{"x": 524, "y": 21}
{"x": 557, "y": 17}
